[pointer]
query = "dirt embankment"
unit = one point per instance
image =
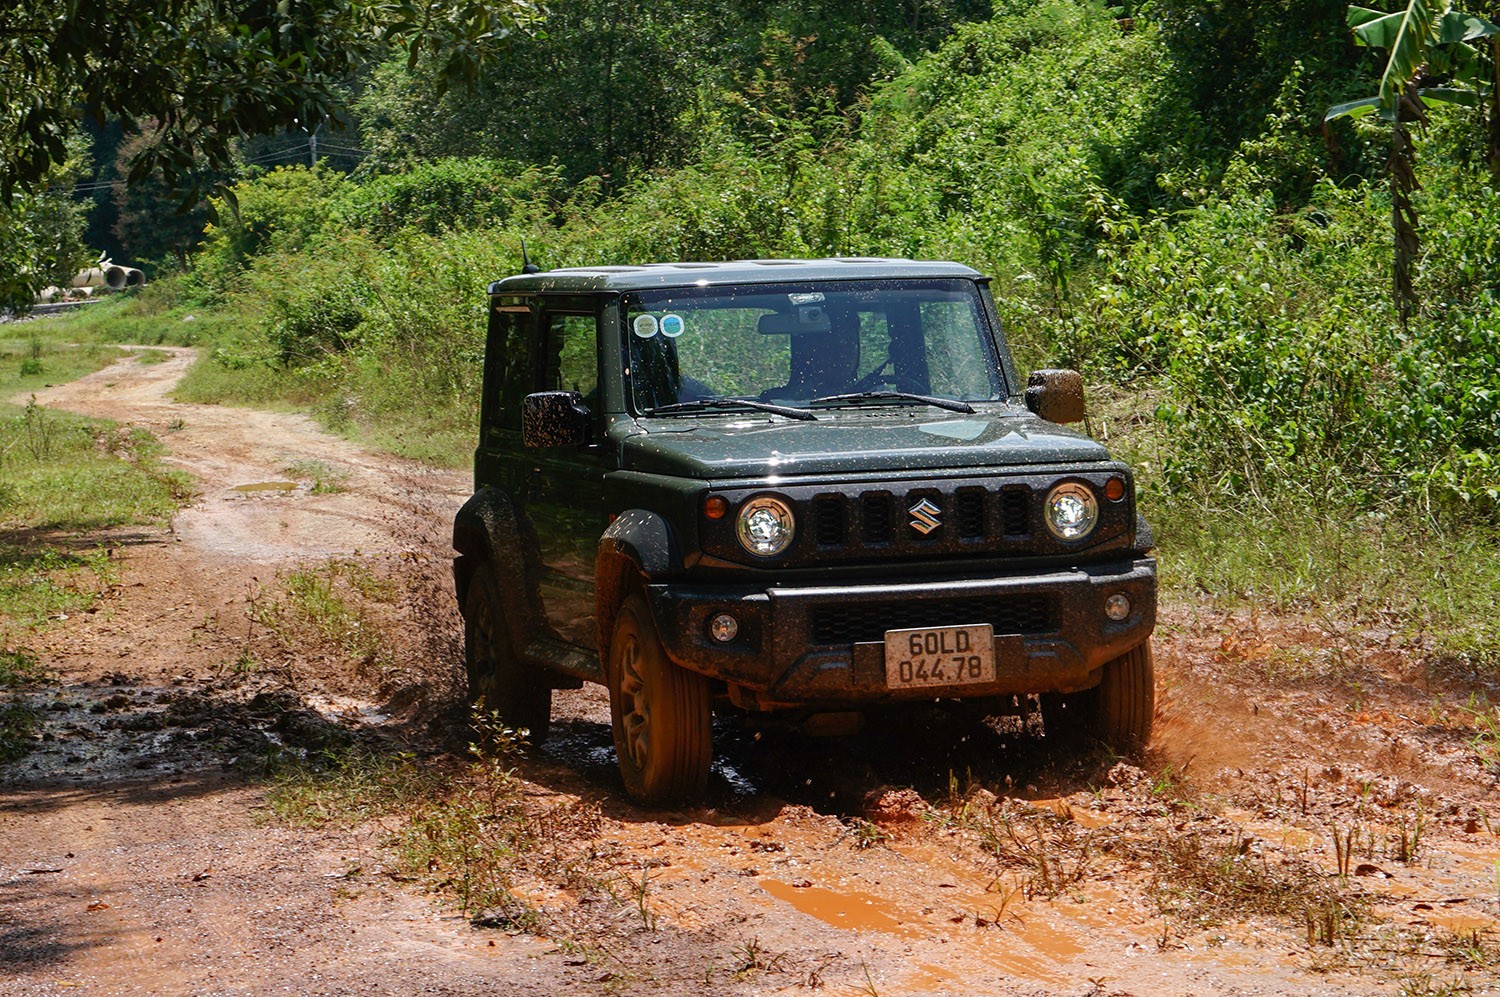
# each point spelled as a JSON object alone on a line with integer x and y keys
{"x": 1317, "y": 815}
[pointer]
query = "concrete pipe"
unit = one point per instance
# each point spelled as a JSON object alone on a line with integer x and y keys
{"x": 114, "y": 277}
{"x": 92, "y": 277}
{"x": 134, "y": 277}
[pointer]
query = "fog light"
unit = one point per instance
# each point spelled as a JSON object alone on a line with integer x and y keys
{"x": 1117, "y": 607}
{"x": 724, "y": 628}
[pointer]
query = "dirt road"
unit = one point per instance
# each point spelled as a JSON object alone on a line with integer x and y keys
{"x": 136, "y": 854}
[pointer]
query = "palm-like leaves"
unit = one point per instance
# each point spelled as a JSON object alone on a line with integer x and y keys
{"x": 1407, "y": 35}
{"x": 1425, "y": 38}
{"x": 1423, "y": 35}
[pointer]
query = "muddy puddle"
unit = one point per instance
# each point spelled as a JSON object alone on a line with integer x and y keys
{"x": 266, "y": 486}
{"x": 115, "y": 729}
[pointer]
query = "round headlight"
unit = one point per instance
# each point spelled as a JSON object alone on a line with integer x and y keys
{"x": 1072, "y": 511}
{"x": 765, "y": 526}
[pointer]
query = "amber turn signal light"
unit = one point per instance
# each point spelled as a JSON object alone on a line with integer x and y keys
{"x": 1114, "y": 489}
{"x": 716, "y": 507}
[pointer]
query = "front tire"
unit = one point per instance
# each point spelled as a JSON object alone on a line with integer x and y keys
{"x": 498, "y": 681}
{"x": 1127, "y": 699}
{"x": 659, "y": 711}
{"x": 1118, "y": 711}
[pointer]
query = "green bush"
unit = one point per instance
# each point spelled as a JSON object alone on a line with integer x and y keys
{"x": 447, "y": 194}
{"x": 281, "y": 211}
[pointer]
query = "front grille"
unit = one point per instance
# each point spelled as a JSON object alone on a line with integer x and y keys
{"x": 828, "y": 520}
{"x": 875, "y": 524}
{"x": 883, "y": 518}
{"x": 857, "y": 622}
{"x": 968, "y": 512}
{"x": 1015, "y": 507}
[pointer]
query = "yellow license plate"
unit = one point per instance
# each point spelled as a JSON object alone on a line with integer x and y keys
{"x": 939, "y": 656}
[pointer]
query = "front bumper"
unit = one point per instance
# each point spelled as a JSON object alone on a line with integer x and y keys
{"x": 823, "y": 645}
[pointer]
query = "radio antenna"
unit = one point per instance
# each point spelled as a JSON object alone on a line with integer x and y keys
{"x": 526, "y": 265}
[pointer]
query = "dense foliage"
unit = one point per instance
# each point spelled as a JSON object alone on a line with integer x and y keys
{"x": 1154, "y": 189}
{"x": 1213, "y": 245}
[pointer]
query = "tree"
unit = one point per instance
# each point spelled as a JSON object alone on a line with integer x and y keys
{"x": 210, "y": 71}
{"x": 41, "y": 235}
{"x": 1430, "y": 60}
{"x": 150, "y": 225}
{"x": 196, "y": 75}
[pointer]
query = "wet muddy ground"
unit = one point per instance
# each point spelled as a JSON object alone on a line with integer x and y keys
{"x": 1318, "y": 812}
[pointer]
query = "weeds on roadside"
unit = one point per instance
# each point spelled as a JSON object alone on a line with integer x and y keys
{"x": 326, "y": 479}
{"x": 325, "y": 603}
{"x": 466, "y": 829}
{"x": 1206, "y": 882}
{"x": 19, "y": 667}
{"x": 1051, "y": 852}
{"x": 865, "y": 834}
{"x": 40, "y": 584}
{"x": 753, "y": 957}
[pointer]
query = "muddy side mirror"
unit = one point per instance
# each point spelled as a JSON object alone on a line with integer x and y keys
{"x": 554, "y": 419}
{"x": 1056, "y": 395}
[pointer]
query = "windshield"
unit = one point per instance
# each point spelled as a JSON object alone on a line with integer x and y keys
{"x": 799, "y": 344}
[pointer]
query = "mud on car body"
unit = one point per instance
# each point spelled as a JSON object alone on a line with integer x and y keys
{"x": 787, "y": 485}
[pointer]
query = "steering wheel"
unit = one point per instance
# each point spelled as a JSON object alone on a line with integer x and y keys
{"x": 874, "y": 377}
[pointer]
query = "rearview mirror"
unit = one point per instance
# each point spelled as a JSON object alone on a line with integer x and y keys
{"x": 1056, "y": 395}
{"x": 554, "y": 419}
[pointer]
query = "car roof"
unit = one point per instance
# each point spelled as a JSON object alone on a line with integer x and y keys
{"x": 584, "y": 280}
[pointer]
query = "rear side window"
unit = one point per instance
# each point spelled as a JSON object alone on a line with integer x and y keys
{"x": 513, "y": 354}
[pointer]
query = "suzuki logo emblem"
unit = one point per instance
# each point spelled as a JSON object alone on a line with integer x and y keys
{"x": 924, "y": 517}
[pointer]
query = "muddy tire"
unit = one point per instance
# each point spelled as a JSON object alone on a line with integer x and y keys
{"x": 1117, "y": 711}
{"x": 498, "y": 681}
{"x": 1127, "y": 700}
{"x": 660, "y": 713}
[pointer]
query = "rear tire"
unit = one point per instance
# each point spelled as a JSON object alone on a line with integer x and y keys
{"x": 1118, "y": 711}
{"x": 499, "y": 682}
{"x": 660, "y": 713}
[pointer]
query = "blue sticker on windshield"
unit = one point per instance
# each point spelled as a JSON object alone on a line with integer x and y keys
{"x": 671, "y": 326}
{"x": 645, "y": 326}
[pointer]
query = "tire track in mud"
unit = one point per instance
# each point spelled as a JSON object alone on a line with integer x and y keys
{"x": 134, "y": 857}
{"x": 925, "y": 856}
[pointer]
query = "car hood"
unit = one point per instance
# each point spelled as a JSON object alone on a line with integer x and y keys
{"x": 844, "y": 441}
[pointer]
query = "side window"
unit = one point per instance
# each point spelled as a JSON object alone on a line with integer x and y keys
{"x": 572, "y": 356}
{"x": 512, "y": 354}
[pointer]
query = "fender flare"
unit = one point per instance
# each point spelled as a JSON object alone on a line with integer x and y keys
{"x": 1145, "y": 539}
{"x": 639, "y": 545}
{"x": 488, "y": 527}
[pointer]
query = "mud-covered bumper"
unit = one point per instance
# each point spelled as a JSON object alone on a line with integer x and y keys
{"x": 823, "y": 645}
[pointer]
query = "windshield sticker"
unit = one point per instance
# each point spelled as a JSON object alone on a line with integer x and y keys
{"x": 671, "y": 326}
{"x": 645, "y": 326}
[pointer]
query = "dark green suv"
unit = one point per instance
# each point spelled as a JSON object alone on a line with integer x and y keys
{"x": 811, "y": 486}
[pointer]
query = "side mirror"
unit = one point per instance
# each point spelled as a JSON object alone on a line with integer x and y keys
{"x": 554, "y": 419}
{"x": 1056, "y": 395}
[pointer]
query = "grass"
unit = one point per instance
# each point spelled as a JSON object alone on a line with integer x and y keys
{"x": 154, "y": 316}
{"x": 66, "y": 472}
{"x": 34, "y": 355}
{"x": 1202, "y": 883}
{"x": 326, "y": 605}
{"x": 37, "y": 586}
{"x": 63, "y": 474}
{"x": 63, "y": 471}
{"x": 465, "y": 830}
{"x": 326, "y": 479}
{"x": 40, "y": 584}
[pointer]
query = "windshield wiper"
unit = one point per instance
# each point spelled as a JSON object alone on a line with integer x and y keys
{"x": 751, "y": 403}
{"x": 860, "y": 397}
